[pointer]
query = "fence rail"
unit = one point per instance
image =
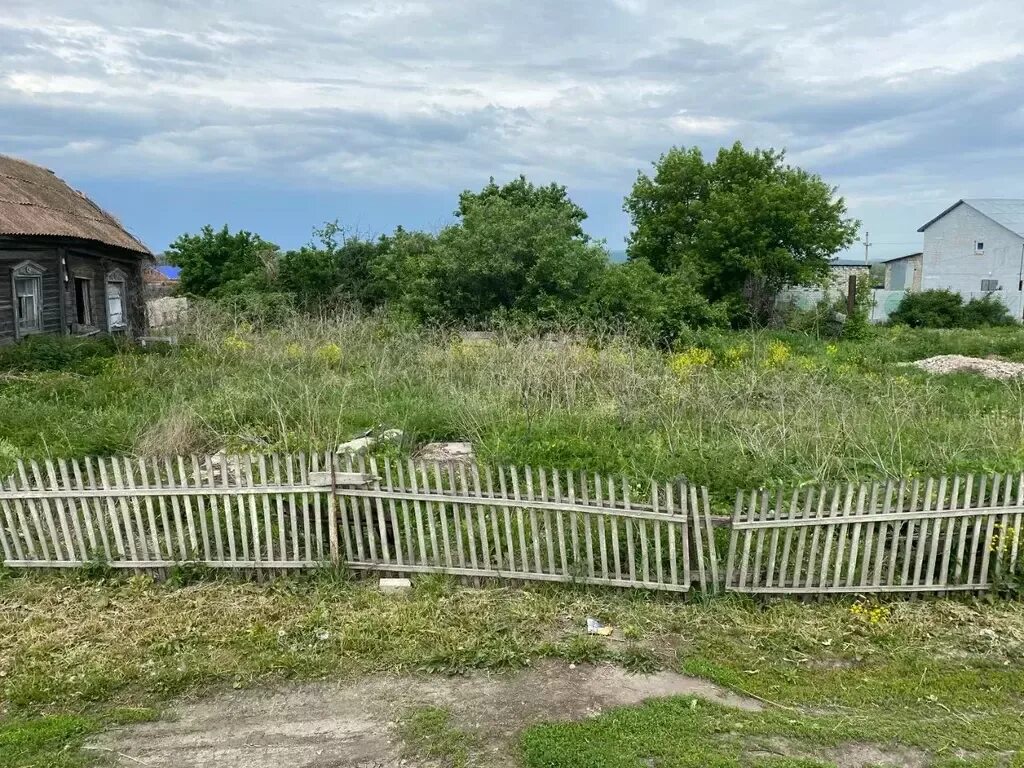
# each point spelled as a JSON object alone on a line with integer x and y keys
{"x": 940, "y": 535}
{"x": 292, "y": 511}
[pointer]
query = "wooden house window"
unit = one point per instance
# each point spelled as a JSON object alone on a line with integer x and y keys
{"x": 83, "y": 301}
{"x": 117, "y": 304}
{"x": 27, "y": 279}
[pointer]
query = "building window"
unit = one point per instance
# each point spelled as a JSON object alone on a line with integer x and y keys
{"x": 990, "y": 285}
{"x": 117, "y": 305}
{"x": 83, "y": 301}
{"x": 27, "y": 282}
{"x": 979, "y": 246}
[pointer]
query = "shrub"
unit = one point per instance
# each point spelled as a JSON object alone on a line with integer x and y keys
{"x": 986, "y": 312}
{"x": 53, "y": 353}
{"x": 946, "y": 309}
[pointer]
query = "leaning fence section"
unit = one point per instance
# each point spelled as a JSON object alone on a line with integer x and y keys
{"x": 296, "y": 512}
{"x": 936, "y": 535}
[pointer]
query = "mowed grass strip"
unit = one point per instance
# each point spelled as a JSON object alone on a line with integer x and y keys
{"x": 943, "y": 677}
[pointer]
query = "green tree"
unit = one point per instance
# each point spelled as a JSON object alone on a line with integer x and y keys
{"x": 745, "y": 225}
{"x": 218, "y": 263}
{"x": 503, "y": 256}
{"x": 334, "y": 265}
{"x": 523, "y": 194}
{"x": 658, "y": 306}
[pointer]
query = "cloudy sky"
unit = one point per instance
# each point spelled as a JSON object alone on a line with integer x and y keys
{"x": 275, "y": 116}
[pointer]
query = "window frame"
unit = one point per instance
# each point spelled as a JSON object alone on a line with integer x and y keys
{"x": 28, "y": 270}
{"x": 979, "y": 247}
{"x": 88, "y": 280}
{"x": 116, "y": 277}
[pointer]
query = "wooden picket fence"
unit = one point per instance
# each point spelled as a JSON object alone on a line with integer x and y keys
{"x": 944, "y": 535}
{"x": 297, "y": 512}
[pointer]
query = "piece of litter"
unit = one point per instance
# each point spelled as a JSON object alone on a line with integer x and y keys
{"x": 595, "y": 627}
{"x": 395, "y": 585}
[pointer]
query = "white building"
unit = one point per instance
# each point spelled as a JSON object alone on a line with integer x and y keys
{"x": 976, "y": 248}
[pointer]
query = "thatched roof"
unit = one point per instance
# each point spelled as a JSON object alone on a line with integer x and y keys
{"x": 33, "y": 201}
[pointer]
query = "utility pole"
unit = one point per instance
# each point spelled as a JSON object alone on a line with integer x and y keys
{"x": 867, "y": 245}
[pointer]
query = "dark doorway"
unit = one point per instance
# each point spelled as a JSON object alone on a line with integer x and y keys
{"x": 83, "y": 301}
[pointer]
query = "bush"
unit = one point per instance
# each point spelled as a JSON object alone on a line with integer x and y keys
{"x": 946, "y": 309}
{"x": 53, "y": 353}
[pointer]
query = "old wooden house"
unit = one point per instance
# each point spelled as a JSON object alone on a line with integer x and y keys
{"x": 66, "y": 266}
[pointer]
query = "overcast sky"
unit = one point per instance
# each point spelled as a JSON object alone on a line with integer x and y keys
{"x": 275, "y": 116}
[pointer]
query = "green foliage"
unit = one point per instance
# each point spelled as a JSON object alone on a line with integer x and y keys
{"x": 946, "y": 309}
{"x": 429, "y": 734}
{"x": 502, "y": 257}
{"x": 219, "y": 263}
{"x": 634, "y": 297}
{"x": 54, "y": 353}
{"x": 524, "y": 195}
{"x": 745, "y": 224}
{"x": 858, "y": 323}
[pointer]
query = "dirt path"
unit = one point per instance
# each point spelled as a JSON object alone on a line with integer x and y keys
{"x": 353, "y": 724}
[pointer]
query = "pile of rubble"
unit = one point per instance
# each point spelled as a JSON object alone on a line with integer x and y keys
{"x": 993, "y": 369}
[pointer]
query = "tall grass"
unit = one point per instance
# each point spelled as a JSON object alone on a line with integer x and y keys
{"x": 725, "y": 409}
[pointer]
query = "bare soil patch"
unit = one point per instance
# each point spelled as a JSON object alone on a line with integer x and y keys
{"x": 353, "y": 724}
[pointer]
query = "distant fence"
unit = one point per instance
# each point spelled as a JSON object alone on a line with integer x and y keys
{"x": 268, "y": 513}
{"x": 294, "y": 512}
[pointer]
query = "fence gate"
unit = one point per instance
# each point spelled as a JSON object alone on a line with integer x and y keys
{"x": 294, "y": 511}
{"x": 932, "y": 536}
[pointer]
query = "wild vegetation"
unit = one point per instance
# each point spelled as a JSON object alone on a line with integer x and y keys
{"x": 726, "y": 409}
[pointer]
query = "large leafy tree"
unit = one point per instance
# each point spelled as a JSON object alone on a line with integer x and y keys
{"x": 524, "y": 195}
{"x": 335, "y": 266}
{"x": 744, "y": 225}
{"x": 218, "y": 263}
{"x": 524, "y": 255}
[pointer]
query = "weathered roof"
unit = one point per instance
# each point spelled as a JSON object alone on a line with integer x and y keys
{"x": 901, "y": 258}
{"x": 848, "y": 262}
{"x": 1008, "y": 213}
{"x": 34, "y": 201}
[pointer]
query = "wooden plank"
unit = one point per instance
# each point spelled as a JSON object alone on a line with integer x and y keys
{"x": 616, "y": 554}
{"x": 871, "y": 529}
{"x": 180, "y": 527}
{"x": 587, "y": 521}
{"x": 659, "y": 570}
{"x": 293, "y": 508}
{"x": 366, "y": 525}
{"x": 56, "y": 513}
{"x": 787, "y": 542}
{"x": 507, "y": 514}
{"x": 145, "y": 468}
{"x": 684, "y": 530}
{"x": 135, "y": 537}
{"x": 68, "y": 510}
{"x": 418, "y": 511}
{"x": 876, "y": 578}
{"x": 382, "y": 522}
{"x": 410, "y": 541}
{"x": 798, "y": 561}
{"x": 921, "y": 545}
{"x": 851, "y": 567}
{"x": 524, "y": 556}
{"x": 1003, "y": 531}
{"x": 190, "y": 522}
{"x": 748, "y": 538}
{"x": 282, "y": 526}
{"x": 27, "y": 524}
{"x": 947, "y": 550}
{"x": 40, "y": 514}
{"x": 602, "y": 543}
{"x": 933, "y": 552}
{"x": 976, "y": 537}
{"x": 467, "y": 515}
{"x": 442, "y": 517}
{"x": 630, "y": 552}
{"x": 773, "y": 543}
{"x": 330, "y": 461}
{"x": 897, "y": 528}
{"x": 77, "y": 507}
{"x": 559, "y": 523}
{"x": 831, "y": 542}
{"x": 306, "y": 532}
{"x": 492, "y": 510}
{"x": 911, "y": 538}
{"x": 215, "y": 512}
{"x": 731, "y": 576}
{"x": 228, "y": 508}
{"x": 98, "y": 517}
{"x": 341, "y": 479}
{"x": 712, "y": 546}
{"x": 1017, "y": 521}
{"x": 812, "y": 564}
{"x": 570, "y": 479}
{"x": 986, "y": 543}
{"x": 698, "y": 539}
{"x": 313, "y": 543}
{"x": 762, "y": 513}
{"x": 18, "y": 530}
{"x": 447, "y": 554}
{"x": 534, "y": 526}
{"x": 249, "y": 521}
{"x": 673, "y": 567}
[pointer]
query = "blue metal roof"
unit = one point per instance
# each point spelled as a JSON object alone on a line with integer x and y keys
{"x": 171, "y": 273}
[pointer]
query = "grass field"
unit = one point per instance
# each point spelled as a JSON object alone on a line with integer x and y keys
{"x": 943, "y": 678}
{"x": 726, "y": 409}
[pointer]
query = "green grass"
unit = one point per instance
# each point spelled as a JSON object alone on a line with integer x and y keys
{"x": 428, "y": 734}
{"x": 780, "y": 408}
{"x": 943, "y": 677}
